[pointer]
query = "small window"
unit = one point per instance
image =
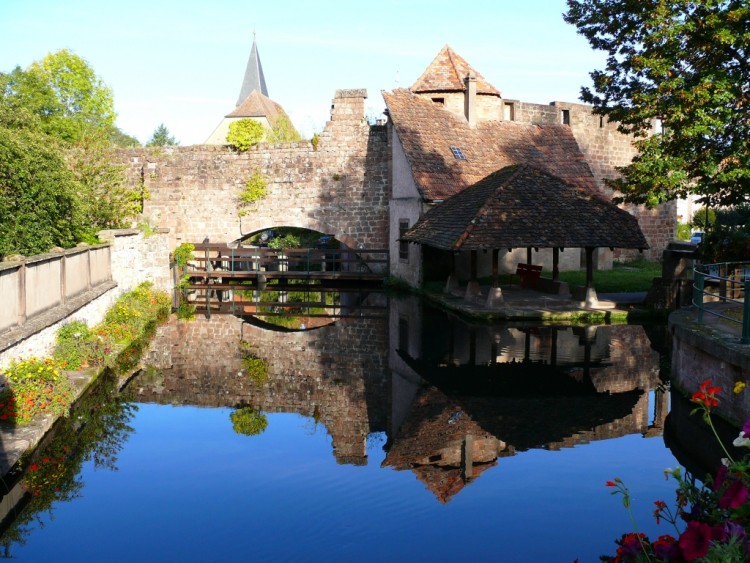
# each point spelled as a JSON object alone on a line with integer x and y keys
{"x": 601, "y": 122}
{"x": 458, "y": 153}
{"x": 403, "y": 246}
{"x": 565, "y": 117}
{"x": 509, "y": 112}
{"x": 439, "y": 101}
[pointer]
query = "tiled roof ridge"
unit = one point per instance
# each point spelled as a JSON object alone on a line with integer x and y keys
{"x": 437, "y": 78}
{"x": 515, "y": 170}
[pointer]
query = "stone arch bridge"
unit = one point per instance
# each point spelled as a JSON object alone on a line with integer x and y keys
{"x": 338, "y": 187}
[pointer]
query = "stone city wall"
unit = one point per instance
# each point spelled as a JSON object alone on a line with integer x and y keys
{"x": 339, "y": 187}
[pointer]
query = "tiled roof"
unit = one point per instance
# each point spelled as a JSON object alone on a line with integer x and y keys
{"x": 446, "y": 73}
{"x": 525, "y": 206}
{"x": 427, "y": 132}
{"x": 258, "y": 105}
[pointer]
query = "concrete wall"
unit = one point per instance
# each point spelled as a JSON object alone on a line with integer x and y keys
{"x": 41, "y": 293}
{"x": 340, "y": 188}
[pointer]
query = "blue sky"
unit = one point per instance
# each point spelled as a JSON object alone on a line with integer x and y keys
{"x": 181, "y": 63}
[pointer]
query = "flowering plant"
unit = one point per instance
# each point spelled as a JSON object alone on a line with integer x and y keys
{"x": 36, "y": 386}
{"x": 711, "y": 521}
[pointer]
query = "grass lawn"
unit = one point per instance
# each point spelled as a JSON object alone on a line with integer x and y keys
{"x": 623, "y": 277}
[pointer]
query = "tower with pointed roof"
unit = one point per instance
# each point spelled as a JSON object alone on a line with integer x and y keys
{"x": 252, "y": 103}
{"x": 444, "y": 82}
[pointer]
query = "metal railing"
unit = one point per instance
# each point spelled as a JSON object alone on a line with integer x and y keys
{"x": 727, "y": 283}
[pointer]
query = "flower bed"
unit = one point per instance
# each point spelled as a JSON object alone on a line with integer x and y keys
{"x": 38, "y": 386}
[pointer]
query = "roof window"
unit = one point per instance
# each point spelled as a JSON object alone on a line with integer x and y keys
{"x": 458, "y": 153}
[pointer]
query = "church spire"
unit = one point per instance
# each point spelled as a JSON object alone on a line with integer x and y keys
{"x": 254, "y": 79}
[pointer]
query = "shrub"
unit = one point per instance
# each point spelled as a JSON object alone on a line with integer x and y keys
{"x": 245, "y": 133}
{"x": 254, "y": 190}
{"x": 182, "y": 254}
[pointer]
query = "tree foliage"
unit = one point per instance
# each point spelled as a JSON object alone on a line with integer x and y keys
{"x": 283, "y": 131}
{"x": 683, "y": 63}
{"x": 64, "y": 92}
{"x": 39, "y": 202}
{"x": 161, "y": 138}
{"x": 245, "y": 133}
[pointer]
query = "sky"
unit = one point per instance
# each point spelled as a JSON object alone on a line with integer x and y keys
{"x": 181, "y": 63}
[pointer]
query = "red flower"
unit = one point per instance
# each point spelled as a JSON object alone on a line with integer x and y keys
{"x": 660, "y": 505}
{"x": 735, "y": 496}
{"x": 34, "y": 467}
{"x": 706, "y": 397}
{"x": 631, "y": 545}
{"x": 665, "y": 548}
{"x": 695, "y": 540}
{"x": 611, "y": 484}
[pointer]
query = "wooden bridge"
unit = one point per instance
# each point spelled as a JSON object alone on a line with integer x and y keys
{"x": 217, "y": 264}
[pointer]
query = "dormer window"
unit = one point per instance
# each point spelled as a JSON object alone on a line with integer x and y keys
{"x": 565, "y": 117}
{"x": 439, "y": 101}
{"x": 458, "y": 153}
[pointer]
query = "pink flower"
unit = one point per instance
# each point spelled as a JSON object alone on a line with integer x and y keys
{"x": 735, "y": 496}
{"x": 695, "y": 540}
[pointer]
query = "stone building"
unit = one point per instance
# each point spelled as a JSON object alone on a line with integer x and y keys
{"x": 452, "y": 128}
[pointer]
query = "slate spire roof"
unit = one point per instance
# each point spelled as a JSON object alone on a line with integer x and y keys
{"x": 254, "y": 79}
{"x": 446, "y": 73}
{"x": 524, "y": 206}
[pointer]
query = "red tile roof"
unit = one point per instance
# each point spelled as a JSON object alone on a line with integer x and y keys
{"x": 446, "y": 73}
{"x": 427, "y": 132}
{"x": 258, "y": 105}
{"x": 525, "y": 206}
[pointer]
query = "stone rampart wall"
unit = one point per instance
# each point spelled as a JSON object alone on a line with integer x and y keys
{"x": 339, "y": 187}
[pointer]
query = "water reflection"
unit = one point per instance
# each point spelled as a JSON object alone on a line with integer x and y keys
{"x": 451, "y": 397}
{"x": 95, "y": 431}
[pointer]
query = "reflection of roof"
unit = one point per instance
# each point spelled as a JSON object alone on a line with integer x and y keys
{"x": 258, "y": 105}
{"x": 427, "y": 131}
{"x": 446, "y": 73}
{"x": 430, "y": 443}
{"x": 523, "y": 206}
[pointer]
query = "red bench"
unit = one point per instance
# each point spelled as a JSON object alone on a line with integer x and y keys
{"x": 529, "y": 274}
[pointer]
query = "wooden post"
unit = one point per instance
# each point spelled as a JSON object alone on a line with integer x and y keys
{"x": 495, "y": 269}
{"x": 555, "y": 264}
{"x": 589, "y": 266}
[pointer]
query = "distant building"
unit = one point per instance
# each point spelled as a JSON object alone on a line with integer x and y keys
{"x": 252, "y": 103}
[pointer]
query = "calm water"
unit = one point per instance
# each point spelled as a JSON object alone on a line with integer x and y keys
{"x": 406, "y": 435}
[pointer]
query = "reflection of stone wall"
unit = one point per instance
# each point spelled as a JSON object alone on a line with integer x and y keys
{"x": 336, "y": 374}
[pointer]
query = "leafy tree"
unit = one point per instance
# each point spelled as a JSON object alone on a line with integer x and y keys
{"x": 245, "y": 133}
{"x": 64, "y": 92}
{"x": 283, "y": 131}
{"x": 161, "y": 138}
{"x": 107, "y": 200}
{"x": 686, "y": 64}
{"x": 39, "y": 202}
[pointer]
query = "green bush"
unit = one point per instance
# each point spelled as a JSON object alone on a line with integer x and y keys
{"x": 73, "y": 345}
{"x": 245, "y": 133}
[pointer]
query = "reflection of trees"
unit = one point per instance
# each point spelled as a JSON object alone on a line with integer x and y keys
{"x": 248, "y": 421}
{"x": 96, "y": 430}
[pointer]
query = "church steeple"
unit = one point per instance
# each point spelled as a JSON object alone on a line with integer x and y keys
{"x": 254, "y": 79}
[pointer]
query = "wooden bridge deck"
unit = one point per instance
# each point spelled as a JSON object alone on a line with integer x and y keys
{"x": 216, "y": 264}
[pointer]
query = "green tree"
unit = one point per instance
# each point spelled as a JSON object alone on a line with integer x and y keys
{"x": 283, "y": 131}
{"x": 161, "y": 138}
{"x": 107, "y": 200}
{"x": 245, "y": 133}
{"x": 686, "y": 64}
{"x": 39, "y": 201}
